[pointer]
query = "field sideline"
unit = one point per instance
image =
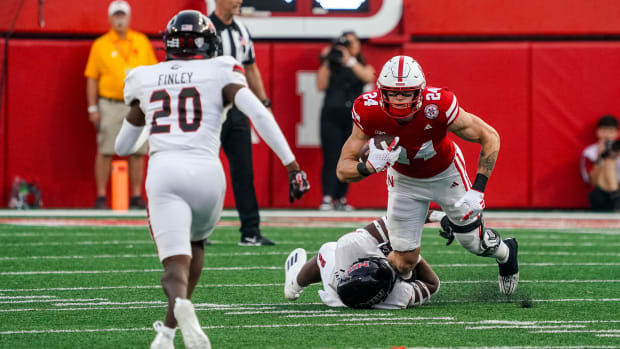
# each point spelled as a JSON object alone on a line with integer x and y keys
{"x": 88, "y": 278}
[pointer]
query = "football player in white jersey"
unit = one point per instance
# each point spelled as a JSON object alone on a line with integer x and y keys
{"x": 180, "y": 104}
{"x": 355, "y": 271}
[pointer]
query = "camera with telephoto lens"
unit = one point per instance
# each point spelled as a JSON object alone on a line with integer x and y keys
{"x": 335, "y": 55}
{"x": 610, "y": 148}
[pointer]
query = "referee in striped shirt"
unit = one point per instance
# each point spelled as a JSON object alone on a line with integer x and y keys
{"x": 236, "y": 135}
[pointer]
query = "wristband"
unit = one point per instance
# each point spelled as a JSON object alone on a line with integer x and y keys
{"x": 266, "y": 102}
{"x": 362, "y": 169}
{"x": 480, "y": 183}
{"x": 351, "y": 62}
{"x": 92, "y": 109}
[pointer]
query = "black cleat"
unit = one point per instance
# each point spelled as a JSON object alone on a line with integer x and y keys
{"x": 101, "y": 203}
{"x": 255, "y": 241}
{"x": 509, "y": 272}
{"x": 137, "y": 203}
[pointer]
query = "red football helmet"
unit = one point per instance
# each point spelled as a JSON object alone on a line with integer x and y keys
{"x": 402, "y": 74}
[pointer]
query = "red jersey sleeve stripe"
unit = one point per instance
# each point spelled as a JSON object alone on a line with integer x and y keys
{"x": 239, "y": 69}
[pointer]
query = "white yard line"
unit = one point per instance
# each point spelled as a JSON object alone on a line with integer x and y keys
{"x": 528, "y": 347}
{"x": 80, "y": 243}
{"x": 153, "y": 255}
{"x": 123, "y": 287}
{"x": 537, "y": 300}
{"x": 523, "y": 327}
{"x": 269, "y": 213}
{"x": 280, "y": 242}
{"x": 456, "y": 265}
{"x": 251, "y": 308}
{"x": 26, "y": 297}
{"x": 267, "y": 326}
{"x": 577, "y": 331}
{"x": 284, "y": 253}
{"x": 85, "y": 301}
{"x": 132, "y": 287}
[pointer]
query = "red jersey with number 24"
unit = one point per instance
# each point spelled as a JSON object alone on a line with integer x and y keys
{"x": 426, "y": 149}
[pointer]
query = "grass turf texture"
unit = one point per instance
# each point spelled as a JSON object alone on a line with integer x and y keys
{"x": 113, "y": 296}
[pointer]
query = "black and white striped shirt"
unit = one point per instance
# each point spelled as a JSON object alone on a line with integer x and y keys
{"x": 236, "y": 40}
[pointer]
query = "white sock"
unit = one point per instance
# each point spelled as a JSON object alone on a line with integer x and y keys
{"x": 170, "y": 331}
{"x": 502, "y": 253}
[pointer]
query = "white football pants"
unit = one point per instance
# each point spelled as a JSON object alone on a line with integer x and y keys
{"x": 185, "y": 198}
{"x": 409, "y": 199}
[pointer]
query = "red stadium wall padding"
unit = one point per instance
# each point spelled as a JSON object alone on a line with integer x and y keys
{"x": 3, "y": 108}
{"x": 288, "y": 59}
{"x": 49, "y": 136}
{"x": 439, "y": 17}
{"x": 261, "y": 153}
{"x": 573, "y": 84}
{"x": 90, "y": 17}
{"x": 490, "y": 80}
{"x": 512, "y": 17}
{"x": 543, "y": 98}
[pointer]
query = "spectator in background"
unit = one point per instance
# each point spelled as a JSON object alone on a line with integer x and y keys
{"x": 600, "y": 166}
{"x": 111, "y": 57}
{"x": 236, "y": 136}
{"x": 342, "y": 75}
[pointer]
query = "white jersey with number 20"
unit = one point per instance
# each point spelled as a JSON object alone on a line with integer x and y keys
{"x": 182, "y": 101}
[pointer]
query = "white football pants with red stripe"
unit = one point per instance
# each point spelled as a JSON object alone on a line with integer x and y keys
{"x": 409, "y": 199}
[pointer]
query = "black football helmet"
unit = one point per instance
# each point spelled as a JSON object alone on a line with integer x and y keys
{"x": 367, "y": 282}
{"x": 189, "y": 34}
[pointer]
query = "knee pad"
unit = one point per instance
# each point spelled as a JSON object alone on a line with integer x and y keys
{"x": 448, "y": 229}
{"x": 474, "y": 237}
{"x": 490, "y": 241}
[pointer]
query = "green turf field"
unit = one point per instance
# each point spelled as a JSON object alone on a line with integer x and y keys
{"x": 98, "y": 287}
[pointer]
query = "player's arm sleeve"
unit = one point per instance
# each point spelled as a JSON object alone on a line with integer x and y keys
{"x": 425, "y": 285}
{"x": 127, "y": 138}
{"x": 265, "y": 124}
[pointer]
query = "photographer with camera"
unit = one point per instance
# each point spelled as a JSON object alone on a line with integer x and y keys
{"x": 600, "y": 166}
{"x": 342, "y": 75}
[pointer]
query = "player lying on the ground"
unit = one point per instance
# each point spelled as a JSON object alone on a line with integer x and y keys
{"x": 355, "y": 271}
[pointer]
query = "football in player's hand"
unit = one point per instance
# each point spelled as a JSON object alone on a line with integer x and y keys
{"x": 362, "y": 155}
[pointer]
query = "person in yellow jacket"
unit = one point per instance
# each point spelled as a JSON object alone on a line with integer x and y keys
{"x": 112, "y": 56}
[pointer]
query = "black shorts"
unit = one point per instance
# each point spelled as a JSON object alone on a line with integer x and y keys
{"x": 602, "y": 200}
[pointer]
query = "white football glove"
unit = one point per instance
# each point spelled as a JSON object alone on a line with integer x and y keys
{"x": 380, "y": 159}
{"x": 475, "y": 200}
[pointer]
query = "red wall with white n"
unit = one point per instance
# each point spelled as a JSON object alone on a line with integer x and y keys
{"x": 543, "y": 97}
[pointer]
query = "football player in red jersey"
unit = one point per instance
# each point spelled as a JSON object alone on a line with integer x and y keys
{"x": 426, "y": 166}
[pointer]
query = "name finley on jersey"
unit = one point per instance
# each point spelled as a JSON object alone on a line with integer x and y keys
{"x": 174, "y": 78}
